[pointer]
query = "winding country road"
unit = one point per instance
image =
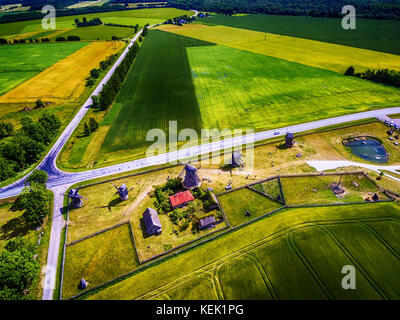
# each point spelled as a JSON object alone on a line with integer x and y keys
{"x": 59, "y": 181}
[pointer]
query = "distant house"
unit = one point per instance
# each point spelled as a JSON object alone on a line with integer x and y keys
{"x": 207, "y": 223}
{"x": 201, "y": 15}
{"x": 180, "y": 199}
{"x": 152, "y": 222}
{"x": 182, "y": 21}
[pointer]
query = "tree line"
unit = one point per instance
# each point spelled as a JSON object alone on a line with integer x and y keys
{"x": 111, "y": 88}
{"x": 87, "y": 23}
{"x": 104, "y": 65}
{"x": 385, "y": 9}
{"x": 24, "y": 147}
{"x": 386, "y": 76}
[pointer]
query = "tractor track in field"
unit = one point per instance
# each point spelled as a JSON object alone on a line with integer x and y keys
{"x": 216, "y": 264}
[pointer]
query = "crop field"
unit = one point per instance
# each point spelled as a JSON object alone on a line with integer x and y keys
{"x": 293, "y": 254}
{"x": 128, "y": 16}
{"x": 309, "y": 52}
{"x": 99, "y": 259}
{"x": 208, "y": 86}
{"x": 170, "y": 77}
{"x": 316, "y": 189}
{"x": 65, "y": 80}
{"x": 378, "y": 35}
{"x": 19, "y": 63}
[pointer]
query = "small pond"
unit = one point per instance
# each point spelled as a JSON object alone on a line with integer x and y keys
{"x": 367, "y": 148}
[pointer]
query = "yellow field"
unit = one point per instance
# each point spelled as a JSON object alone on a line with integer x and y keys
{"x": 313, "y": 53}
{"x": 65, "y": 80}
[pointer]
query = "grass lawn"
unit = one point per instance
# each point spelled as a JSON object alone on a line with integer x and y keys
{"x": 309, "y": 52}
{"x": 19, "y": 63}
{"x": 236, "y": 203}
{"x": 64, "y": 80}
{"x": 379, "y": 35}
{"x": 99, "y": 259}
{"x": 284, "y": 256}
{"x": 316, "y": 190}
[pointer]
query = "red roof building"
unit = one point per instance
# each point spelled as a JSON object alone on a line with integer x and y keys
{"x": 180, "y": 199}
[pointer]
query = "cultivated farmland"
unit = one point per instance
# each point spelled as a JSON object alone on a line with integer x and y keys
{"x": 64, "y": 80}
{"x": 21, "y": 62}
{"x": 378, "y": 35}
{"x": 288, "y": 255}
{"x": 309, "y": 52}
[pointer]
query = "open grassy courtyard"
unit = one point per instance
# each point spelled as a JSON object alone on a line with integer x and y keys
{"x": 294, "y": 254}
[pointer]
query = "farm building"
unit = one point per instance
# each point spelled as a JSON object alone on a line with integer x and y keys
{"x": 207, "y": 223}
{"x": 152, "y": 222}
{"x": 182, "y": 21}
{"x": 180, "y": 199}
{"x": 289, "y": 140}
{"x": 191, "y": 180}
{"x": 201, "y": 15}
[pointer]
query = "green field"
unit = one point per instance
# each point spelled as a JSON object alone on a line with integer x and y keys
{"x": 19, "y": 63}
{"x": 170, "y": 77}
{"x": 236, "y": 203}
{"x": 316, "y": 189}
{"x": 127, "y": 16}
{"x": 379, "y": 35}
{"x": 208, "y": 86}
{"x": 294, "y": 254}
{"x": 99, "y": 259}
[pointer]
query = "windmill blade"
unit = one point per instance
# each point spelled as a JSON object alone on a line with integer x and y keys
{"x": 115, "y": 187}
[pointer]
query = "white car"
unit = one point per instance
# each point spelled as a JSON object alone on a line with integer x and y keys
{"x": 276, "y": 132}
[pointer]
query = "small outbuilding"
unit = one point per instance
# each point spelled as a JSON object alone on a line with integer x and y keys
{"x": 152, "y": 222}
{"x": 289, "y": 140}
{"x": 82, "y": 284}
{"x": 237, "y": 159}
{"x": 207, "y": 223}
{"x": 180, "y": 199}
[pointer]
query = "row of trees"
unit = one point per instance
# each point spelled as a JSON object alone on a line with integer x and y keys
{"x": 90, "y": 127}
{"x": 69, "y": 38}
{"x": 136, "y": 26}
{"x": 87, "y": 23}
{"x": 95, "y": 73}
{"x": 27, "y": 144}
{"x": 111, "y": 88}
{"x": 386, "y": 76}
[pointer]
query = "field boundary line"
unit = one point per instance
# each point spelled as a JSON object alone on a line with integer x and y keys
{"x": 97, "y": 233}
{"x": 264, "y": 195}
